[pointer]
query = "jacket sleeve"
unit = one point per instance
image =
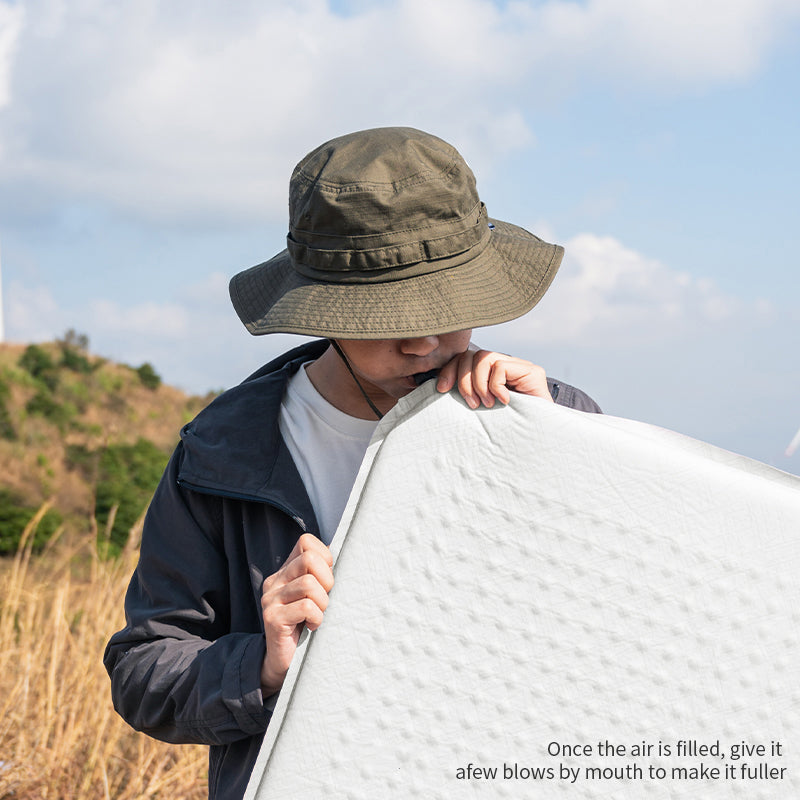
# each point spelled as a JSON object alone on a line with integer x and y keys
{"x": 566, "y": 395}
{"x": 177, "y": 671}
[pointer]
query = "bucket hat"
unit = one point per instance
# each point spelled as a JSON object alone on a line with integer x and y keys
{"x": 389, "y": 239}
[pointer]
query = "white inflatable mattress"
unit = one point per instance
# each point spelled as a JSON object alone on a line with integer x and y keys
{"x": 535, "y": 602}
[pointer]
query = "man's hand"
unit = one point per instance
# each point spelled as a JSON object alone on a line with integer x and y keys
{"x": 482, "y": 376}
{"x": 295, "y": 595}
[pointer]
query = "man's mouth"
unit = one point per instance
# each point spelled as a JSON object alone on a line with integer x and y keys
{"x": 420, "y": 377}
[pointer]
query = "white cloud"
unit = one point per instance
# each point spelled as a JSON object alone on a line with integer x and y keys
{"x": 607, "y": 294}
{"x": 174, "y": 110}
{"x": 163, "y": 321}
{"x": 672, "y": 42}
{"x": 11, "y": 17}
{"x": 31, "y": 313}
{"x": 211, "y": 290}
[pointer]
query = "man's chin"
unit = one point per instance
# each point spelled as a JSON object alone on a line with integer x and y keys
{"x": 405, "y": 386}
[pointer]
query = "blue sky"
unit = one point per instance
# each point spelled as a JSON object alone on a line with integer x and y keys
{"x": 146, "y": 147}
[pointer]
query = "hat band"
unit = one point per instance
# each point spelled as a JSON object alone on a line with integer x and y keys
{"x": 390, "y": 261}
{"x": 395, "y": 273}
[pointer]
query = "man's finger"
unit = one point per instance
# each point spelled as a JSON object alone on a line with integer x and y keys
{"x": 498, "y": 381}
{"x": 465, "y": 386}
{"x": 447, "y": 375}
{"x": 482, "y": 370}
{"x": 310, "y": 562}
{"x": 306, "y": 586}
{"x": 281, "y": 619}
{"x": 309, "y": 542}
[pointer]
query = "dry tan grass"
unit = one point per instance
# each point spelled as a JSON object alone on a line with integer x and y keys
{"x": 59, "y": 735}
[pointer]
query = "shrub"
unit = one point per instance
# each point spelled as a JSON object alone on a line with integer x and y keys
{"x": 76, "y": 392}
{"x": 45, "y": 406}
{"x": 148, "y": 376}
{"x": 38, "y": 363}
{"x": 75, "y": 361}
{"x": 75, "y": 341}
{"x": 15, "y": 515}
{"x": 74, "y": 350}
{"x": 7, "y": 430}
{"x": 127, "y": 477}
{"x": 79, "y": 457}
{"x": 109, "y": 382}
{"x": 36, "y": 360}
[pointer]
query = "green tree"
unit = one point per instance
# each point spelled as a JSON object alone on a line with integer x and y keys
{"x": 7, "y": 430}
{"x": 127, "y": 477}
{"x": 148, "y": 376}
{"x": 75, "y": 361}
{"x": 44, "y": 405}
{"x": 15, "y": 515}
{"x": 74, "y": 348}
{"x": 36, "y": 361}
{"x": 75, "y": 341}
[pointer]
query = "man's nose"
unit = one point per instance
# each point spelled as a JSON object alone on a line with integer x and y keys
{"x": 419, "y": 346}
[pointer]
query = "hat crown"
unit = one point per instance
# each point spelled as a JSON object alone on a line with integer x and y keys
{"x": 380, "y": 199}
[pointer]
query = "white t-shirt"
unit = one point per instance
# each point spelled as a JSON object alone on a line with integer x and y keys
{"x": 327, "y": 446}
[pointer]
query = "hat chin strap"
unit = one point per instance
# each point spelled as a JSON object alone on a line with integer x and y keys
{"x": 339, "y": 350}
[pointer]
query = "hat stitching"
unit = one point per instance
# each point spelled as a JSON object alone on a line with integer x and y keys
{"x": 417, "y": 178}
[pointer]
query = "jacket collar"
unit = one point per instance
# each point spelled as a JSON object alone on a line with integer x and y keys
{"x": 234, "y": 447}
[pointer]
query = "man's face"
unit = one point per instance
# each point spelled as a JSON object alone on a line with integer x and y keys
{"x": 389, "y": 365}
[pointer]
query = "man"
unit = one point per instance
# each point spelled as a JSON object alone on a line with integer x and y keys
{"x": 393, "y": 259}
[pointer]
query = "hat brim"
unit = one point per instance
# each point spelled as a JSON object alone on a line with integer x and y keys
{"x": 503, "y": 282}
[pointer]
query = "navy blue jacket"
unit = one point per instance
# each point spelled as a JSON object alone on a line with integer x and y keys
{"x": 226, "y": 514}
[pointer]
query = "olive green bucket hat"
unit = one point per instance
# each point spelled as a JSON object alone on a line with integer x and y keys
{"x": 389, "y": 239}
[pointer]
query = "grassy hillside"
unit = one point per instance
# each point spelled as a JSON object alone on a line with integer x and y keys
{"x": 77, "y": 430}
{"x": 82, "y": 444}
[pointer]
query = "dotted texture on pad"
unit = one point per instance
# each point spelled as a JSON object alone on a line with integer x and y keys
{"x": 517, "y": 586}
